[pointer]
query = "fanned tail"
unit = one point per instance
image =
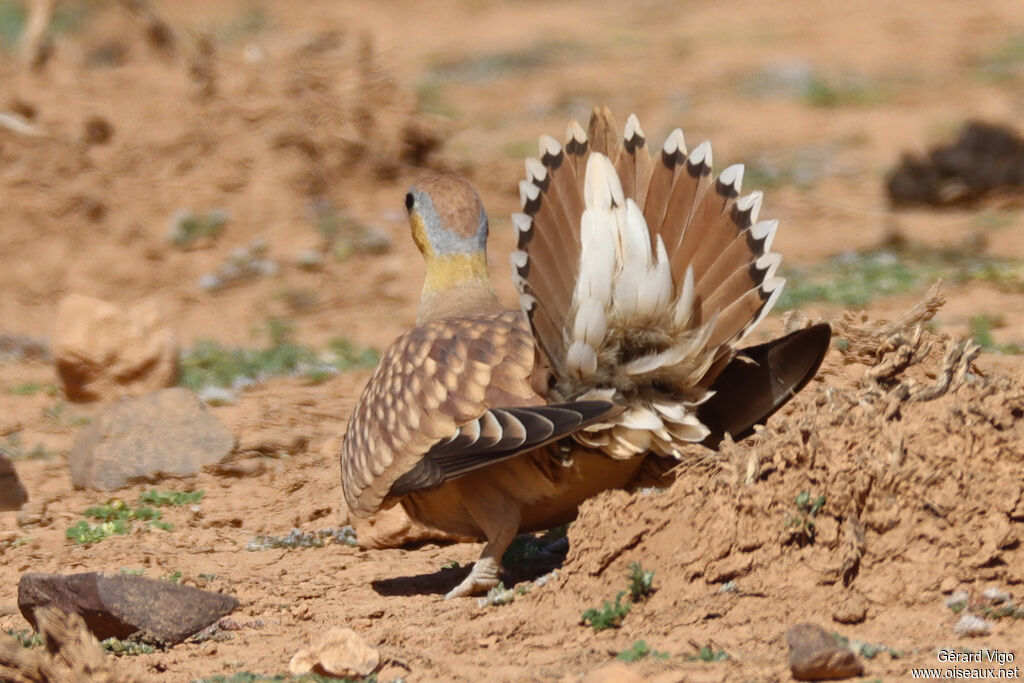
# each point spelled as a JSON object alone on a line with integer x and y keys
{"x": 641, "y": 275}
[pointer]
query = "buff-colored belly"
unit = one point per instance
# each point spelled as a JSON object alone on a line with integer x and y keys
{"x": 545, "y": 492}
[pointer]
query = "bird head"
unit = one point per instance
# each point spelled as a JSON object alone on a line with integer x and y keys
{"x": 449, "y": 226}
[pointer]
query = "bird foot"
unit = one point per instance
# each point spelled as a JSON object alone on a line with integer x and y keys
{"x": 483, "y": 578}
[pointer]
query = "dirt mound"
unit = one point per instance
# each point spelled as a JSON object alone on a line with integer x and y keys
{"x": 895, "y": 476}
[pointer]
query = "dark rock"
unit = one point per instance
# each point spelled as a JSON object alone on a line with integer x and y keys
{"x": 814, "y": 655}
{"x": 12, "y": 493}
{"x": 166, "y": 433}
{"x": 984, "y": 159}
{"x": 119, "y": 606}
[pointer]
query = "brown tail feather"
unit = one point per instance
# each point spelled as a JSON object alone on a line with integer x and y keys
{"x": 604, "y": 134}
{"x": 577, "y": 149}
{"x": 734, "y": 255}
{"x": 665, "y": 169}
{"x": 736, "y": 313}
{"x": 690, "y": 190}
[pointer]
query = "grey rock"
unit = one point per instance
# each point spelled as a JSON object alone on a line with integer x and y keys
{"x": 119, "y": 606}
{"x": 814, "y": 655}
{"x": 166, "y": 433}
{"x": 12, "y": 493}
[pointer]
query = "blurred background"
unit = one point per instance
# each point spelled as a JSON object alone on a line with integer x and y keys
{"x": 242, "y": 161}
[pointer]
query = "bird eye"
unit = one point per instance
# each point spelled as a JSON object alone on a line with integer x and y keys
{"x": 409, "y": 201}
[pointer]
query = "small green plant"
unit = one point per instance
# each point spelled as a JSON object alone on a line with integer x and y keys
{"x": 639, "y": 650}
{"x": 610, "y": 615}
{"x": 802, "y": 520}
{"x": 173, "y": 577}
{"x": 25, "y": 637}
{"x": 128, "y": 648}
{"x": 856, "y": 92}
{"x": 641, "y": 582}
{"x": 114, "y": 518}
{"x": 454, "y": 564}
{"x": 188, "y": 227}
{"x": 709, "y": 654}
{"x": 170, "y": 498}
{"x": 127, "y": 571}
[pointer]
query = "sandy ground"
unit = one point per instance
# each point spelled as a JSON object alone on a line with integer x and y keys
{"x": 267, "y": 111}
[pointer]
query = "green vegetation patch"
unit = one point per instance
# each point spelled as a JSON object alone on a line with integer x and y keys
{"x": 117, "y": 518}
{"x": 981, "y": 327}
{"x": 14, "y": 449}
{"x": 189, "y": 227}
{"x": 802, "y": 520}
{"x": 641, "y": 582}
{"x": 209, "y": 363}
{"x": 33, "y": 388}
{"x": 25, "y": 637}
{"x": 709, "y": 654}
{"x": 126, "y": 648}
{"x": 856, "y": 278}
{"x": 640, "y": 650}
{"x": 1005, "y": 62}
{"x": 170, "y": 498}
{"x": 822, "y": 92}
{"x": 609, "y": 615}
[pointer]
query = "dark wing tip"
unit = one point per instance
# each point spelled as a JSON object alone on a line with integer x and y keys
{"x": 760, "y": 380}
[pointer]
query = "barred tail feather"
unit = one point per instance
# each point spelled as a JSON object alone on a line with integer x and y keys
{"x": 640, "y": 276}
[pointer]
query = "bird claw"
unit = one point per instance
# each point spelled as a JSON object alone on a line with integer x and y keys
{"x": 483, "y": 578}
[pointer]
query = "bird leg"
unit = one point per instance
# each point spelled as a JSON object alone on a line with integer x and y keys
{"x": 499, "y": 519}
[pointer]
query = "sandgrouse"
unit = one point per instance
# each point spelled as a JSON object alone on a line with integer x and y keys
{"x": 638, "y": 277}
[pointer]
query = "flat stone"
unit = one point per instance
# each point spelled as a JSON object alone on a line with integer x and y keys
{"x": 103, "y": 352}
{"x": 166, "y": 433}
{"x": 814, "y": 655}
{"x": 119, "y": 605}
{"x": 12, "y": 492}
